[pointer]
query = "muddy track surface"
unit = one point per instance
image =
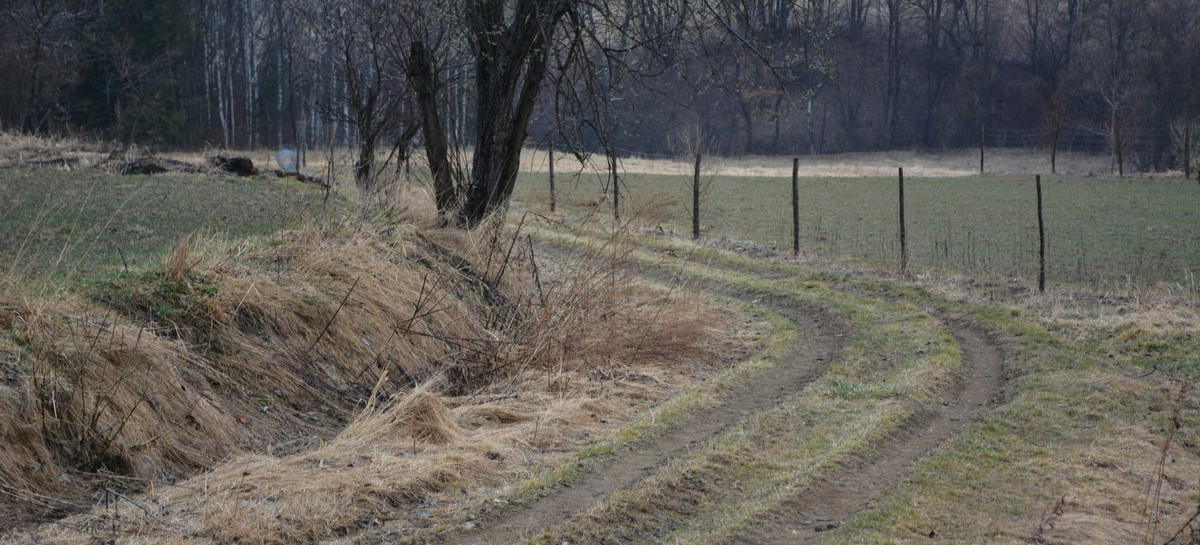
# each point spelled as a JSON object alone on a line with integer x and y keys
{"x": 826, "y": 504}
{"x": 823, "y": 333}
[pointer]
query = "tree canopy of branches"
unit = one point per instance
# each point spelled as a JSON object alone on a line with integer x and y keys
{"x": 472, "y": 81}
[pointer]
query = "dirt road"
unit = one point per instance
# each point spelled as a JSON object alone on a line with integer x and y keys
{"x": 804, "y": 516}
{"x": 823, "y": 335}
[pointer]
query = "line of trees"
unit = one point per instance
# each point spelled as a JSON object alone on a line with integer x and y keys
{"x": 651, "y": 76}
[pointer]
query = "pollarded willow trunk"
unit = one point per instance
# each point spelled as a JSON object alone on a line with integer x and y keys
{"x": 504, "y": 105}
{"x": 510, "y": 41}
{"x": 425, "y": 83}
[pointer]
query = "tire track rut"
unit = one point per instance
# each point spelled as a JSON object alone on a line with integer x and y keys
{"x": 826, "y": 504}
{"x": 808, "y": 514}
{"x": 824, "y": 334}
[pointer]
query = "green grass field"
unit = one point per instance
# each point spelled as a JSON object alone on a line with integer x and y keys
{"x": 55, "y": 224}
{"x": 1100, "y": 231}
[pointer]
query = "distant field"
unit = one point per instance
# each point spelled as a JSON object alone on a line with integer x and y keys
{"x": 1100, "y": 231}
{"x": 55, "y": 223}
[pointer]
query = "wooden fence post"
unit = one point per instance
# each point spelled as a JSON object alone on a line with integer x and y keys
{"x": 903, "y": 235}
{"x": 796, "y": 206}
{"x": 553, "y": 197}
{"x": 696, "y": 201}
{"x": 1041, "y": 240}
{"x": 981, "y": 135}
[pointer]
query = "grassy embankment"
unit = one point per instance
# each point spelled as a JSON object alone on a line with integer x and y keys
{"x": 238, "y": 380}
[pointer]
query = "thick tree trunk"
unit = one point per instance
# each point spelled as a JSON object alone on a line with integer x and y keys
{"x": 511, "y": 57}
{"x": 425, "y": 84}
{"x": 500, "y": 132}
{"x": 364, "y": 167}
{"x": 510, "y": 65}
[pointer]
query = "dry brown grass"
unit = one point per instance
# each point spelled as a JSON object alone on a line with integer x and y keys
{"x": 949, "y": 163}
{"x": 318, "y": 382}
{"x": 96, "y": 397}
{"x": 53, "y": 151}
{"x": 922, "y": 164}
{"x": 1131, "y": 485}
{"x": 226, "y": 348}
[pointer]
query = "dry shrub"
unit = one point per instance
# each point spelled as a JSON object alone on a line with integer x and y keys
{"x": 597, "y": 314}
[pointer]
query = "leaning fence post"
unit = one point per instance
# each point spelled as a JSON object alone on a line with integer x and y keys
{"x": 553, "y": 198}
{"x": 1041, "y": 240}
{"x": 903, "y": 236}
{"x": 796, "y": 206}
{"x": 696, "y": 201}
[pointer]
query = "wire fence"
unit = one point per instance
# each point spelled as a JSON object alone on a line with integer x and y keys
{"x": 1100, "y": 231}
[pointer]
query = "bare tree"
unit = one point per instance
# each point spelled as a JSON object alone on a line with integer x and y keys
{"x": 894, "y": 15}
{"x": 42, "y": 53}
{"x": 1115, "y": 81}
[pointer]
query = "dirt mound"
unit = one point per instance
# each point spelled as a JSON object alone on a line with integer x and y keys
{"x": 154, "y": 165}
{"x": 238, "y": 166}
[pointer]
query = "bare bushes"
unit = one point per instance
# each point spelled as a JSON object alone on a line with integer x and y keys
{"x": 556, "y": 309}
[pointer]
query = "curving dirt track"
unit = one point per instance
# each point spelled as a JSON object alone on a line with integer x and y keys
{"x": 827, "y": 503}
{"x": 822, "y": 506}
{"x": 824, "y": 334}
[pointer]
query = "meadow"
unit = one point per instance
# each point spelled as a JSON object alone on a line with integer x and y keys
{"x": 1100, "y": 231}
{"x": 89, "y": 223}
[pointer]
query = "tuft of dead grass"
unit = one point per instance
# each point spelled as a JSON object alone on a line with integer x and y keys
{"x": 62, "y": 152}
